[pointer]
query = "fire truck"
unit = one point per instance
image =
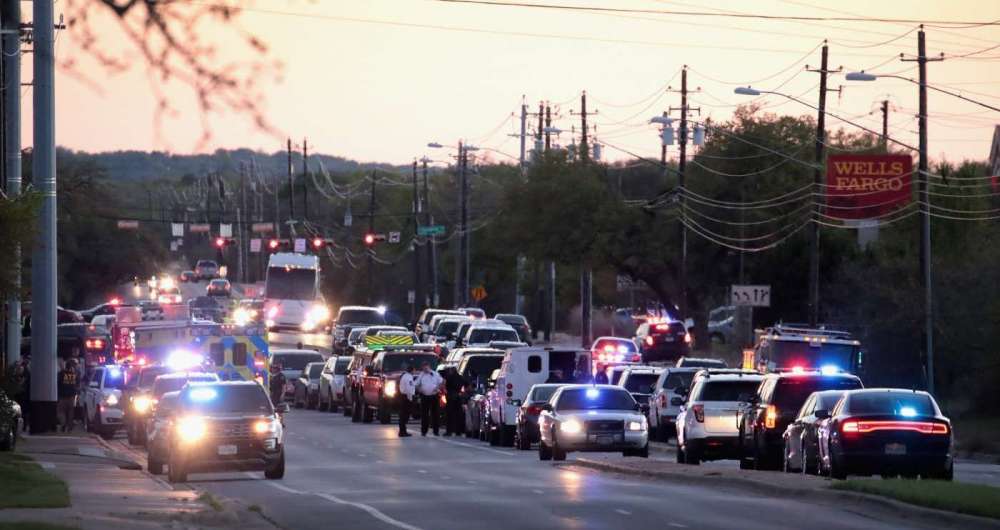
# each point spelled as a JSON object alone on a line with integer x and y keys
{"x": 785, "y": 347}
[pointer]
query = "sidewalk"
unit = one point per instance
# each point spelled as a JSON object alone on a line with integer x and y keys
{"x": 108, "y": 490}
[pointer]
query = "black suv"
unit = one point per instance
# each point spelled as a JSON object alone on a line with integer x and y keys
{"x": 662, "y": 341}
{"x": 764, "y": 417}
{"x": 226, "y": 426}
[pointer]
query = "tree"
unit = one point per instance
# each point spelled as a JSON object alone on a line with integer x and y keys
{"x": 18, "y": 218}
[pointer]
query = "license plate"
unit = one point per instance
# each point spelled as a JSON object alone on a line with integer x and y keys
{"x": 227, "y": 450}
{"x": 895, "y": 449}
{"x": 605, "y": 440}
{"x": 668, "y": 339}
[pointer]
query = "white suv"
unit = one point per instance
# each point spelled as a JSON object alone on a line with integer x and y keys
{"x": 481, "y": 335}
{"x": 665, "y": 403}
{"x": 706, "y": 426}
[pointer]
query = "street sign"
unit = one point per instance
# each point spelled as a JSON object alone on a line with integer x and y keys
{"x": 394, "y": 237}
{"x": 255, "y": 245}
{"x": 478, "y": 293}
{"x": 348, "y": 219}
{"x": 199, "y": 228}
{"x": 300, "y": 245}
{"x": 225, "y": 230}
{"x": 751, "y": 295}
{"x": 430, "y": 230}
{"x": 126, "y": 224}
{"x": 261, "y": 228}
{"x": 411, "y": 296}
{"x": 177, "y": 229}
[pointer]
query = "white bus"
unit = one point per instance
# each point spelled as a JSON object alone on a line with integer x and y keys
{"x": 292, "y": 299}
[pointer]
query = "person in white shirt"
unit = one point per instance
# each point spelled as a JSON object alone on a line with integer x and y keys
{"x": 429, "y": 384}
{"x": 407, "y": 388}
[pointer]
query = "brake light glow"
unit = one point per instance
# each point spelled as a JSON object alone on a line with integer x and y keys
{"x": 94, "y": 344}
{"x": 663, "y": 327}
{"x": 923, "y": 427}
{"x": 663, "y": 400}
{"x": 687, "y": 338}
{"x": 533, "y": 410}
{"x": 699, "y": 413}
{"x": 609, "y": 348}
{"x": 798, "y": 369}
{"x": 771, "y": 417}
{"x": 649, "y": 340}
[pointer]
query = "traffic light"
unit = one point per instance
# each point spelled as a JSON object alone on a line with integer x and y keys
{"x": 222, "y": 242}
{"x": 277, "y": 245}
{"x": 371, "y": 239}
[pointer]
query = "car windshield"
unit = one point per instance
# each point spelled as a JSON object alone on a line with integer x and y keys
{"x": 792, "y": 392}
{"x": 115, "y": 378}
{"x": 446, "y": 328}
{"x": 395, "y": 362}
{"x": 828, "y": 400}
{"x": 641, "y": 383}
{"x": 172, "y": 384}
{"x": 891, "y": 403}
{"x": 221, "y": 398}
{"x": 148, "y": 376}
{"x": 218, "y": 284}
{"x": 431, "y": 314}
{"x": 206, "y": 263}
{"x": 341, "y": 367}
{"x": 595, "y": 398}
{"x": 295, "y": 361}
{"x": 678, "y": 380}
{"x": 360, "y": 316}
{"x": 726, "y": 390}
{"x": 357, "y": 336}
{"x": 315, "y": 371}
{"x": 204, "y": 302}
{"x": 486, "y": 336}
{"x": 482, "y": 365}
{"x": 290, "y": 284}
{"x": 167, "y": 405}
{"x": 542, "y": 393}
{"x": 514, "y": 320}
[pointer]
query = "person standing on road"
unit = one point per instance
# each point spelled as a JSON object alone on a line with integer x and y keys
{"x": 23, "y": 375}
{"x": 453, "y": 385}
{"x": 407, "y": 389}
{"x": 276, "y": 384}
{"x": 429, "y": 385}
{"x": 69, "y": 388}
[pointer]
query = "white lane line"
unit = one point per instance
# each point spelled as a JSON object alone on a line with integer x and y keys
{"x": 46, "y": 465}
{"x": 423, "y": 471}
{"x": 471, "y": 482}
{"x": 623, "y": 512}
{"x": 538, "y": 492}
{"x": 285, "y": 489}
{"x": 91, "y": 451}
{"x": 462, "y": 444}
{"x": 677, "y": 525}
{"x": 374, "y": 512}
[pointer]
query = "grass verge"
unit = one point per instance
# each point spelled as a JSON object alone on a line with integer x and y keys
{"x": 961, "y": 497}
{"x": 210, "y": 500}
{"x": 31, "y": 525}
{"x": 26, "y": 485}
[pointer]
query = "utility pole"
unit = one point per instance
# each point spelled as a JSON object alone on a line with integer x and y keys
{"x": 291, "y": 184}
{"x": 550, "y": 265}
{"x": 464, "y": 155}
{"x": 305, "y": 179}
{"x": 926, "y": 279}
{"x": 432, "y": 245}
{"x": 43, "y": 262}
{"x": 814, "y": 233}
{"x": 682, "y": 134}
{"x": 418, "y": 292}
{"x": 241, "y": 226}
{"x": 586, "y": 272}
{"x": 584, "y": 146}
{"x": 885, "y": 124}
{"x": 663, "y": 150}
{"x": 524, "y": 130}
{"x": 548, "y": 125}
{"x": 371, "y": 230}
{"x": 277, "y": 207}
{"x": 10, "y": 13}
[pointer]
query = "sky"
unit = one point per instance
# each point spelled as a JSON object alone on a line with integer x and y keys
{"x": 376, "y": 80}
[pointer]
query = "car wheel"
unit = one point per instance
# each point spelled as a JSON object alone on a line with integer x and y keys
{"x": 522, "y": 441}
{"x": 7, "y": 442}
{"x": 680, "y": 454}
{"x": 108, "y": 432}
{"x": 544, "y": 453}
{"x": 355, "y": 411}
{"x": 384, "y": 414}
{"x": 494, "y": 435}
{"x": 154, "y": 465}
{"x": 809, "y": 466}
{"x": 506, "y": 436}
{"x": 277, "y": 470}
{"x": 836, "y": 470}
{"x": 367, "y": 414}
{"x": 348, "y": 409}
{"x": 310, "y": 402}
{"x": 176, "y": 471}
{"x": 557, "y": 453}
{"x": 641, "y": 453}
{"x": 131, "y": 434}
{"x": 692, "y": 457}
{"x": 946, "y": 474}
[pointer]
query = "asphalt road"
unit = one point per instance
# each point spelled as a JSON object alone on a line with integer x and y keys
{"x": 344, "y": 475}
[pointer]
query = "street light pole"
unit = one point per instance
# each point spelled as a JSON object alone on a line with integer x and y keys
{"x": 12, "y": 156}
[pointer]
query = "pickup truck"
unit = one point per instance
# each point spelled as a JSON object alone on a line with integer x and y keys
{"x": 380, "y": 382}
{"x": 102, "y": 401}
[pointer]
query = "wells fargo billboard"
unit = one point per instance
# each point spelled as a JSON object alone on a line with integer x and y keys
{"x": 867, "y": 186}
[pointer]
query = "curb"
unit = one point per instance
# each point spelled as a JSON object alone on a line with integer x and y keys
{"x": 819, "y": 494}
{"x": 126, "y": 462}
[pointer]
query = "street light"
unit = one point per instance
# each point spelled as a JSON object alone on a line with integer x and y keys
{"x": 748, "y": 91}
{"x": 865, "y": 76}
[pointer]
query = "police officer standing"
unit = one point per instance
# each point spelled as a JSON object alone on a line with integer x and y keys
{"x": 407, "y": 389}
{"x": 68, "y": 389}
{"x": 428, "y": 385}
{"x": 276, "y": 384}
{"x": 453, "y": 384}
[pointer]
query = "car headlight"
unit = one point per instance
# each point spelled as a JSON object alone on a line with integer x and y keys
{"x": 390, "y": 388}
{"x": 571, "y": 427}
{"x": 142, "y": 404}
{"x": 265, "y": 426}
{"x": 191, "y": 428}
{"x": 308, "y": 325}
{"x": 319, "y": 313}
{"x": 110, "y": 400}
{"x": 637, "y": 426}
{"x": 241, "y": 316}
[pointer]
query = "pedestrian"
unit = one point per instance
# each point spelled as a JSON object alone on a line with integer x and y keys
{"x": 69, "y": 389}
{"x": 601, "y": 378}
{"x": 276, "y": 384}
{"x": 454, "y": 383}
{"x": 407, "y": 389}
{"x": 429, "y": 385}
{"x": 23, "y": 375}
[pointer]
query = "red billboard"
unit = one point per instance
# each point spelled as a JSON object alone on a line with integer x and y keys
{"x": 867, "y": 186}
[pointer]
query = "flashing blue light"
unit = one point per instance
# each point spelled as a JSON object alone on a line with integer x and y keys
{"x": 203, "y": 394}
{"x": 114, "y": 372}
{"x": 829, "y": 369}
{"x": 592, "y": 393}
{"x": 907, "y": 412}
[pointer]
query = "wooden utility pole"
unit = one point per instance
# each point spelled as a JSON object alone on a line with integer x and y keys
{"x": 368, "y": 249}
{"x": 305, "y": 179}
{"x": 885, "y": 124}
{"x": 291, "y": 184}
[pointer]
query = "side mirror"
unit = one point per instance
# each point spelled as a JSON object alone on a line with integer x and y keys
{"x": 676, "y": 402}
{"x": 822, "y": 414}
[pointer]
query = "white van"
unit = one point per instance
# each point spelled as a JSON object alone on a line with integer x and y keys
{"x": 523, "y": 368}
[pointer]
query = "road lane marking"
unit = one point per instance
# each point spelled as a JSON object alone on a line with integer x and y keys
{"x": 623, "y": 512}
{"x": 421, "y": 471}
{"x": 285, "y": 489}
{"x": 46, "y": 465}
{"x": 91, "y": 451}
{"x": 371, "y": 510}
{"x": 453, "y": 442}
{"x": 538, "y": 492}
{"x": 677, "y": 525}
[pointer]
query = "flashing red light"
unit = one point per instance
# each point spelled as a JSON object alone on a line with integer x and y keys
{"x": 369, "y": 239}
{"x": 798, "y": 369}
{"x": 115, "y": 301}
{"x": 317, "y": 242}
{"x": 220, "y": 242}
{"x": 142, "y": 361}
{"x": 923, "y": 427}
{"x": 649, "y": 340}
{"x": 699, "y": 413}
{"x": 94, "y": 344}
{"x": 273, "y": 244}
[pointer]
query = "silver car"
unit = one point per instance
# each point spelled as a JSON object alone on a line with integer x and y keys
{"x": 593, "y": 418}
{"x": 332, "y": 383}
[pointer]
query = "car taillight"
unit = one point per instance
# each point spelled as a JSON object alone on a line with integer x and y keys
{"x": 849, "y": 427}
{"x": 649, "y": 340}
{"x": 94, "y": 344}
{"x": 771, "y": 417}
{"x": 636, "y": 358}
{"x": 699, "y": 413}
{"x": 923, "y": 427}
{"x": 533, "y": 410}
{"x": 688, "y": 338}
{"x": 662, "y": 327}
